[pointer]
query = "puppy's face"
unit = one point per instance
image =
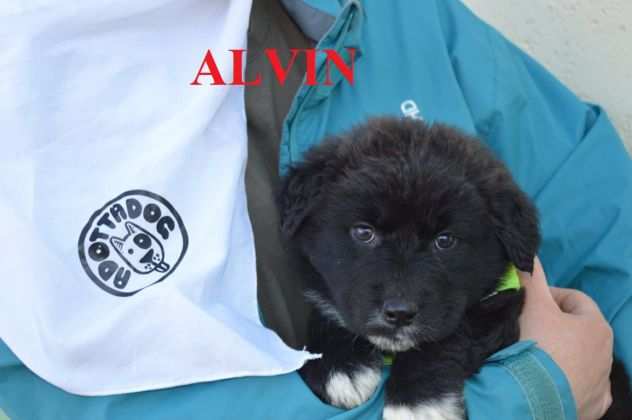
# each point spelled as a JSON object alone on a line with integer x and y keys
{"x": 408, "y": 226}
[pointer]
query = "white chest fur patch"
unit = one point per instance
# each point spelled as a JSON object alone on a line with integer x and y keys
{"x": 449, "y": 407}
{"x": 350, "y": 390}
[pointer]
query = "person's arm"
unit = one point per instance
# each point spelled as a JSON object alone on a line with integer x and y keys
{"x": 567, "y": 156}
{"x": 573, "y": 321}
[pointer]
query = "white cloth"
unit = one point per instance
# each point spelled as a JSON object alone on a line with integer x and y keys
{"x": 126, "y": 253}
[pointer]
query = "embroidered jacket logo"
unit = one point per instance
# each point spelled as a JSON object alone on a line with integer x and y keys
{"x": 132, "y": 242}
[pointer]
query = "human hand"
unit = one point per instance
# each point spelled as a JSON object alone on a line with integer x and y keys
{"x": 568, "y": 325}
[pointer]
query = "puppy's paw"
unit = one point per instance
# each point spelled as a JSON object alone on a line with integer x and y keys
{"x": 449, "y": 407}
{"x": 350, "y": 389}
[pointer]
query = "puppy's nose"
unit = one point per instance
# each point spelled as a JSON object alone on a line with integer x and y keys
{"x": 399, "y": 313}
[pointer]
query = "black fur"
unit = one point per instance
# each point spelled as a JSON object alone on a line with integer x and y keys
{"x": 410, "y": 182}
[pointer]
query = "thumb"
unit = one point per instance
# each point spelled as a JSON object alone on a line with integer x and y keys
{"x": 535, "y": 285}
{"x": 574, "y": 302}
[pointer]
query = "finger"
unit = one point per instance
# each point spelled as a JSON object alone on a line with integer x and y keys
{"x": 535, "y": 284}
{"x": 607, "y": 401}
{"x": 574, "y": 302}
{"x": 599, "y": 400}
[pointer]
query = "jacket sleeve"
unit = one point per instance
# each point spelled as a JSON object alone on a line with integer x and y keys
{"x": 568, "y": 157}
{"x": 519, "y": 382}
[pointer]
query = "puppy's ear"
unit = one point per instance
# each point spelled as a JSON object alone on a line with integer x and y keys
{"x": 515, "y": 221}
{"x": 303, "y": 187}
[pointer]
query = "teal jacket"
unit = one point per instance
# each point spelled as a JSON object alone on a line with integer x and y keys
{"x": 435, "y": 60}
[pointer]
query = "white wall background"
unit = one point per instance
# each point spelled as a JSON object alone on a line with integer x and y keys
{"x": 586, "y": 43}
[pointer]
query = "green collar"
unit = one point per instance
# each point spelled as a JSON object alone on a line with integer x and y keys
{"x": 510, "y": 281}
{"x": 388, "y": 358}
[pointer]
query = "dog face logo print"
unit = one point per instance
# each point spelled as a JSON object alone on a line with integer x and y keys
{"x": 132, "y": 242}
{"x": 141, "y": 250}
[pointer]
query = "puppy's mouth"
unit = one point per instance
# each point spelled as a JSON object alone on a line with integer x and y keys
{"x": 394, "y": 339}
{"x": 400, "y": 341}
{"x": 376, "y": 331}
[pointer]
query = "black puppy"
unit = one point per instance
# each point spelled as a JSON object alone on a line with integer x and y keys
{"x": 409, "y": 229}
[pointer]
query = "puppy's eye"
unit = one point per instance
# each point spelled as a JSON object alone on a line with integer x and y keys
{"x": 363, "y": 232}
{"x": 444, "y": 241}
